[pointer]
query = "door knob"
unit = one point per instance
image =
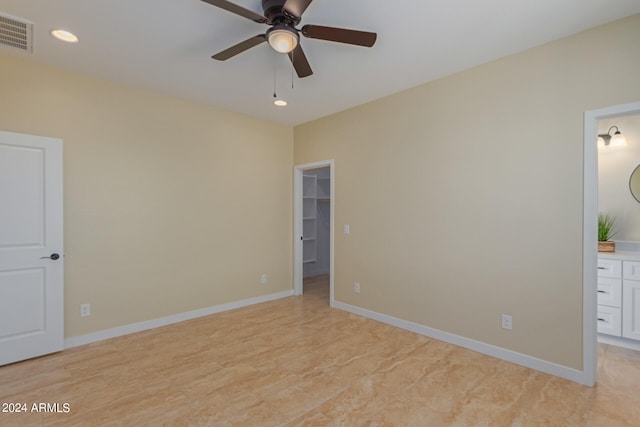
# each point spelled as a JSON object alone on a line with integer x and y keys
{"x": 53, "y": 256}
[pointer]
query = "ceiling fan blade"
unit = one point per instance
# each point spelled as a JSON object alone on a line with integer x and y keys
{"x": 300, "y": 63}
{"x": 238, "y": 10}
{"x": 240, "y": 47}
{"x": 296, "y": 7}
{"x": 340, "y": 35}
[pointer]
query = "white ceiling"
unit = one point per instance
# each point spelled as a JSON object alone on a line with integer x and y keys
{"x": 166, "y": 46}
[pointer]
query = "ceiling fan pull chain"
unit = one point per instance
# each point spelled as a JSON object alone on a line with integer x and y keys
{"x": 274, "y": 80}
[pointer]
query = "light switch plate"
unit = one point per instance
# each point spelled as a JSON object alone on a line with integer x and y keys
{"x": 85, "y": 310}
{"x": 507, "y": 322}
{"x": 346, "y": 229}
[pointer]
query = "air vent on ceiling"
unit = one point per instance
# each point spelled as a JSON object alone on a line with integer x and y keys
{"x": 15, "y": 32}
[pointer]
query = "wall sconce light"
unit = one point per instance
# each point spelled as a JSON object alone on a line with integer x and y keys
{"x": 615, "y": 140}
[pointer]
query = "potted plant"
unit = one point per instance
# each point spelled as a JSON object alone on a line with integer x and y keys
{"x": 605, "y": 233}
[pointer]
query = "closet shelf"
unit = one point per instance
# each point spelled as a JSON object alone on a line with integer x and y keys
{"x": 316, "y": 192}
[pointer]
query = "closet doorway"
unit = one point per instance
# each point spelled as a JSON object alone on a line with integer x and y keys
{"x": 313, "y": 235}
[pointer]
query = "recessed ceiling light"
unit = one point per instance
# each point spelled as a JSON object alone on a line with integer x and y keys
{"x": 65, "y": 36}
{"x": 280, "y": 103}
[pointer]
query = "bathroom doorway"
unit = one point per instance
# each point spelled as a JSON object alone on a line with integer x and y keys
{"x": 593, "y": 120}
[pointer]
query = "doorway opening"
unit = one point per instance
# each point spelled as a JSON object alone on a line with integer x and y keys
{"x": 590, "y": 237}
{"x": 313, "y": 261}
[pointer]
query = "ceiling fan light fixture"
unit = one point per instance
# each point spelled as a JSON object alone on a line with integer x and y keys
{"x": 282, "y": 39}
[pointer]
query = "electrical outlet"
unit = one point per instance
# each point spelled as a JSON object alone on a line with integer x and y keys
{"x": 356, "y": 287}
{"x": 85, "y": 310}
{"x": 263, "y": 278}
{"x": 507, "y": 322}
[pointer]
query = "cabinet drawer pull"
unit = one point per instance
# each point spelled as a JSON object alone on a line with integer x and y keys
{"x": 602, "y": 292}
{"x": 600, "y": 319}
{"x": 602, "y": 268}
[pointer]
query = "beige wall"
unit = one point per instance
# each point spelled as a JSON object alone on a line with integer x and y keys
{"x": 169, "y": 206}
{"x": 464, "y": 195}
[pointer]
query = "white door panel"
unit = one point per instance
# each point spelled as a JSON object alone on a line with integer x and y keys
{"x": 31, "y": 283}
{"x": 22, "y": 214}
{"x": 631, "y": 309}
{"x": 22, "y": 302}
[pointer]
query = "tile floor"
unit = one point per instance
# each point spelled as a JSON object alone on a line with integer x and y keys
{"x": 296, "y": 362}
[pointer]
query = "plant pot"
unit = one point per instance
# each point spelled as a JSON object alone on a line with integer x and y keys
{"x": 608, "y": 246}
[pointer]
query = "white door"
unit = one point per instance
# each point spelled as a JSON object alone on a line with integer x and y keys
{"x": 31, "y": 261}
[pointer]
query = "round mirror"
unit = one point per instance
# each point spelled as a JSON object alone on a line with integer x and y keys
{"x": 634, "y": 183}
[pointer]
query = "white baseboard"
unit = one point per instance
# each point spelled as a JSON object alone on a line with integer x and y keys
{"x": 175, "y": 318}
{"x": 619, "y": 342}
{"x": 488, "y": 349}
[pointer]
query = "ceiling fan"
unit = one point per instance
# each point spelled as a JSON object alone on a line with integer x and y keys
{"x": 283, "y": 36}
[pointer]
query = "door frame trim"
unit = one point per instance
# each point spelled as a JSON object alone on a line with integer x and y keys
{"x": 590, "y": 235}
{"x": 297, "y": 224}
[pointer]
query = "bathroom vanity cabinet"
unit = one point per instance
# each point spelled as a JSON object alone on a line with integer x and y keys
{"x": 619, "y": 295}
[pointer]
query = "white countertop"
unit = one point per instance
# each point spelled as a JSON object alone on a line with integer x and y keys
{"x": 623, "y": 255}
{"x": 628, "y": 250}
